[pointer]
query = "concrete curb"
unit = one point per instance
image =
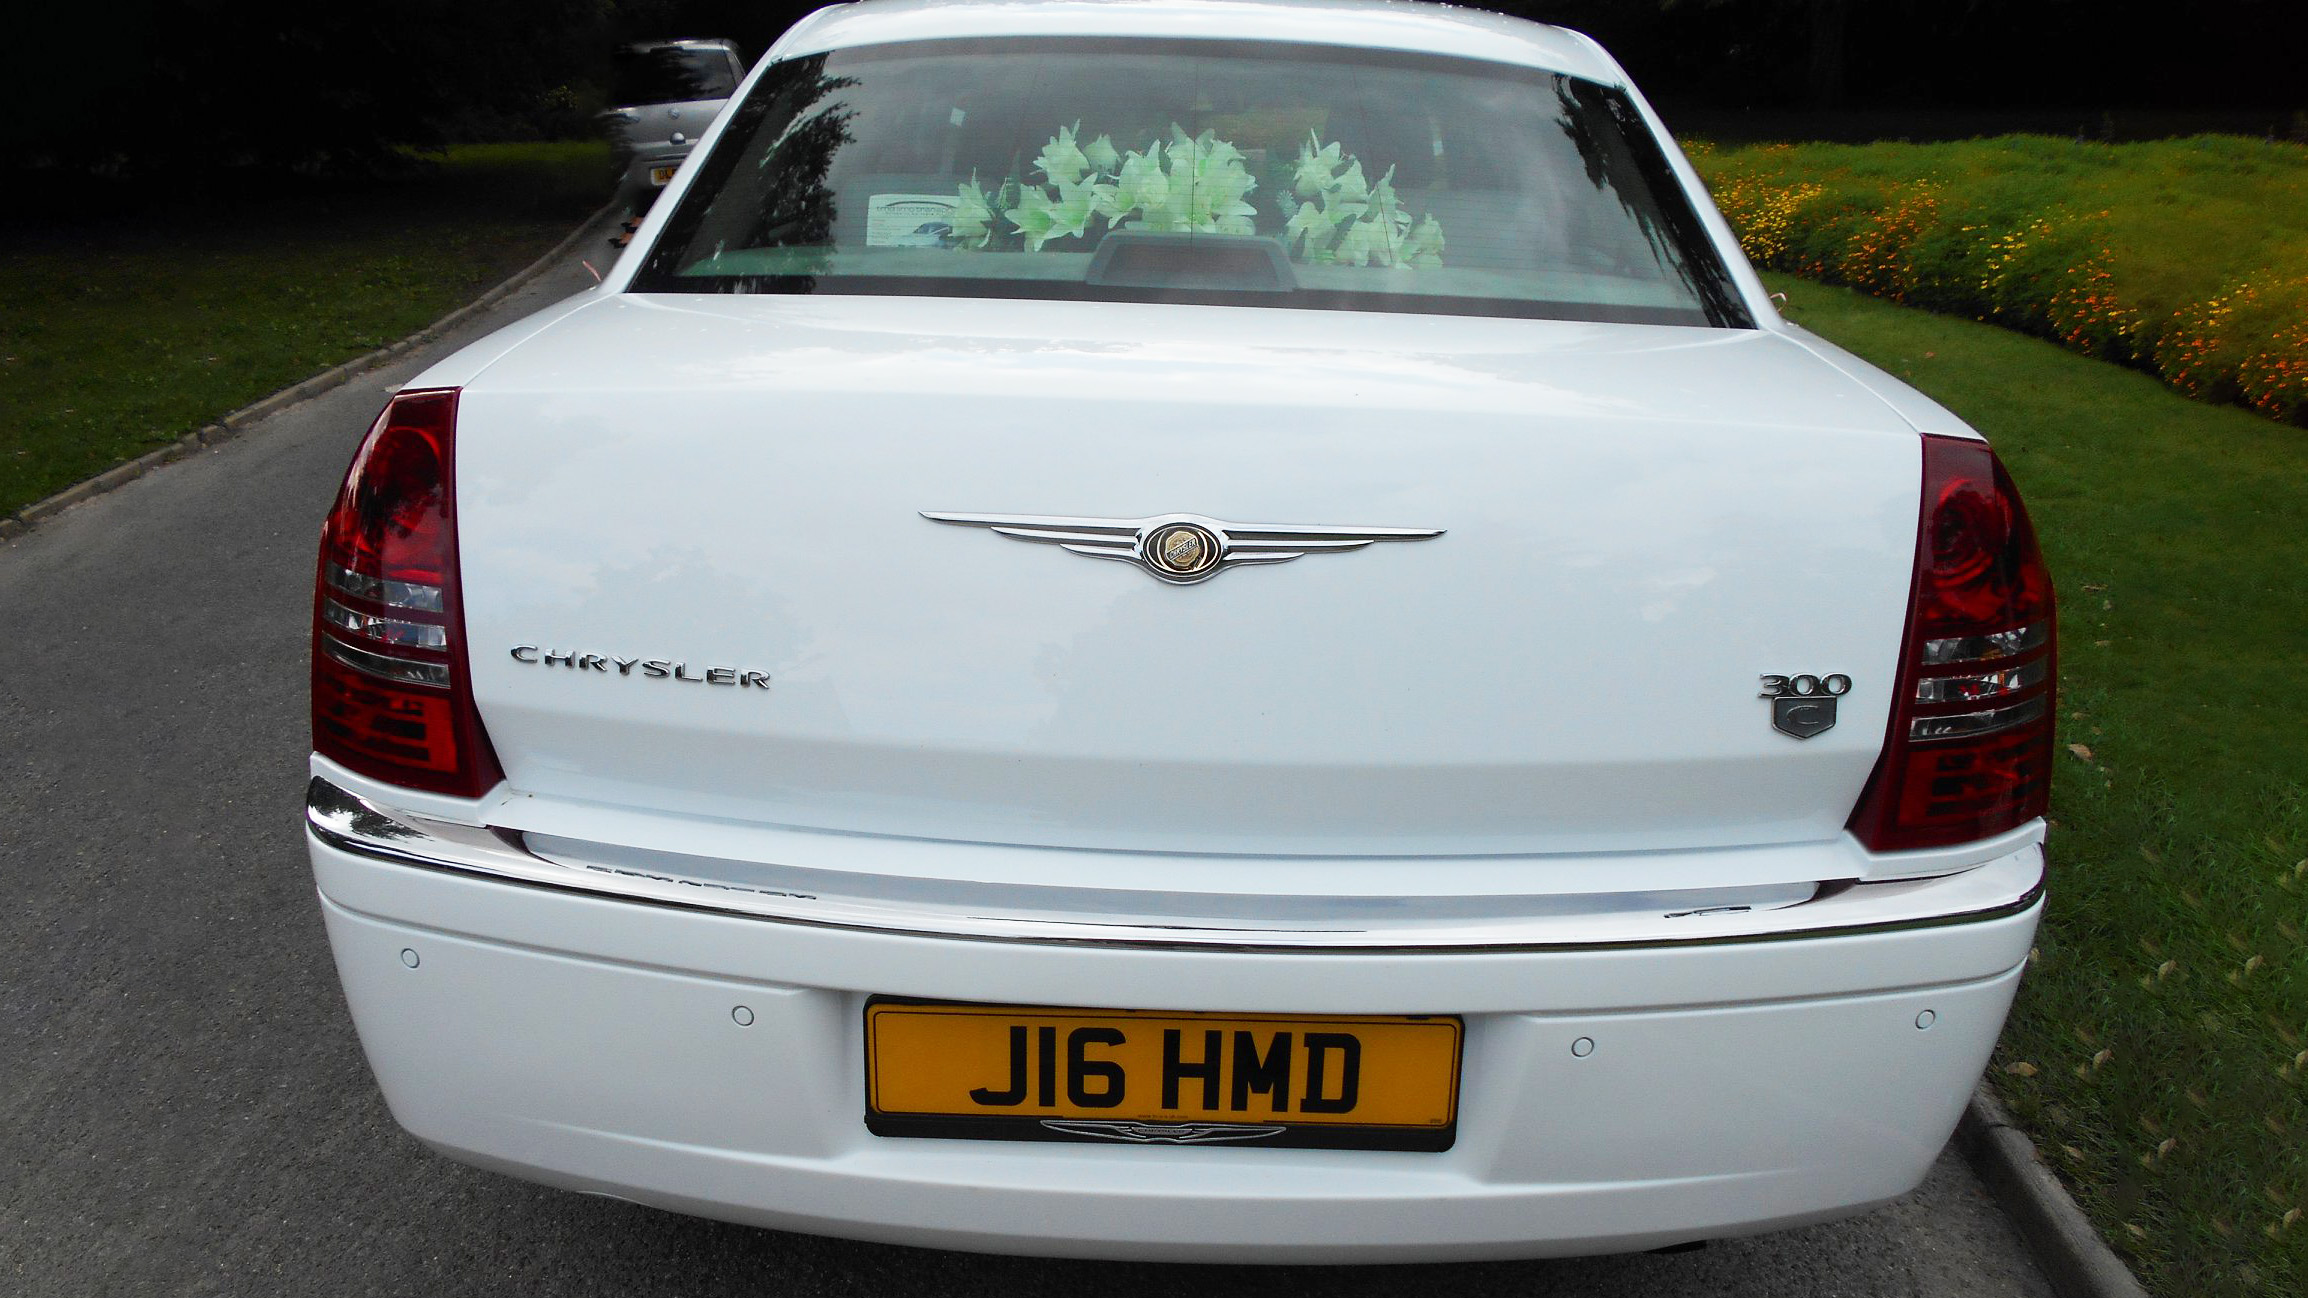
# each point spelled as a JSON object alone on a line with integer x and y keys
{"x": 2064, "y": 1242}
{"x": 230, "y": 426}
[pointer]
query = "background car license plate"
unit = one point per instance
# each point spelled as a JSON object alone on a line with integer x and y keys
{"x": 996, "y": 1072}
{"x": 662, "y": 175}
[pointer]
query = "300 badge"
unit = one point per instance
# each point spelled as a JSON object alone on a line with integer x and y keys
{"x": 1803, "y": 706}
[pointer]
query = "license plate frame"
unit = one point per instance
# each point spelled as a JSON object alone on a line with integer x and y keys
{"x": 919, "y": 1056}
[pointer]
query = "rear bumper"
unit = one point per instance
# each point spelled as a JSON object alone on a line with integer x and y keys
{"x": 1731, "y": 1087}
{"x": 635, "y": 168}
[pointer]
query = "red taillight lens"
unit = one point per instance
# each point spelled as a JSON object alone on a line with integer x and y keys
{"x": 1970, "y": 751}
{"x": 391, "y": 697}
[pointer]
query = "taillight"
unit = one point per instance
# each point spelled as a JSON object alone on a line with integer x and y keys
{"x": 391, "y": 696}
{"x": 1970, "y": 751}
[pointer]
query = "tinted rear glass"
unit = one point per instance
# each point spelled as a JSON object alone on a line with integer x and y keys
{"x": 1249, "y": 173}
{"x": 671, "y": 75}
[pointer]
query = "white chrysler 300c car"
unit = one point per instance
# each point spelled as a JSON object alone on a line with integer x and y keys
{"x": 1217, "y": 631}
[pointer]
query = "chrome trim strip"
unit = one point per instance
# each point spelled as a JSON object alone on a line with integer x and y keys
{"x": 1983, "y": 648}
{"x": 1982, "y": 688}
{"x": 431, "y": 675}
{"x": 391, "y": 630}
{"x": 350, "y": 823}
{"x": 400, "y": 594}
{"x": 1969, "y": 725}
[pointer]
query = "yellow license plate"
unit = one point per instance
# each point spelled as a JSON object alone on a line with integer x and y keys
{"x": 662, "y": 175}
{"x": 1000, "y": 1072}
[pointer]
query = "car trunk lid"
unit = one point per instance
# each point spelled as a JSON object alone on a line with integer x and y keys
{"x": 699, "y": 578}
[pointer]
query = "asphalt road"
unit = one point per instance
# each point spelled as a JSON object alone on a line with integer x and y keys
{"x": 183, "y": 1106}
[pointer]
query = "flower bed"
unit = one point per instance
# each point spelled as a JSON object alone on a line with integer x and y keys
{"x": 2186, "y": 258}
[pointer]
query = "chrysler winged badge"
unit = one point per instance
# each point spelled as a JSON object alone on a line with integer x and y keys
{"x": 1183, "y": 549}
{"x": 1164, "y": 1133}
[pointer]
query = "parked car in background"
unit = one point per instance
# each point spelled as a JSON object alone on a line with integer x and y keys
{"x": 666, "y": 93}
{"x": 1226, "y": 631}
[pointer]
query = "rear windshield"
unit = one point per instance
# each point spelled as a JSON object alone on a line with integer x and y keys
{"x": 1244, "y": 173}
{"x": 669, "y": 74}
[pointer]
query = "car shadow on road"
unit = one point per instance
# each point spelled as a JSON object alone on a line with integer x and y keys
{"x": 1947, "y": 1238}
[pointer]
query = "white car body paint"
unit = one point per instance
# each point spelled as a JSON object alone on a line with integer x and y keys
{"x": 1499, "y": 774}
{"x": 1606, "y": 492}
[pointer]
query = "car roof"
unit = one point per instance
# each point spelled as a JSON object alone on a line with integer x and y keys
{"x": 682, "y": 43}
{"x": 1364, "y": 24}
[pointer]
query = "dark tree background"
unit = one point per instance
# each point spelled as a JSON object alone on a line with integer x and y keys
{"x": 2248, "y": 55}
{"x": 189, "y": 87}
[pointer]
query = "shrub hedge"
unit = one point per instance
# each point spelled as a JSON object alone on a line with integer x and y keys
{"x": 2186, "y": 258}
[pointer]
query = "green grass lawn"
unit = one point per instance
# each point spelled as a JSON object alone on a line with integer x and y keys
{"x": 125, "y": 333}
{"x": 2183, "y": 217}
{"x": 2186, "y": 257}
{"x": 2159, "y": 1052}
